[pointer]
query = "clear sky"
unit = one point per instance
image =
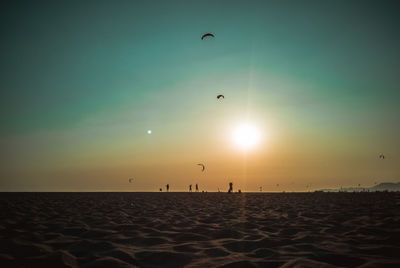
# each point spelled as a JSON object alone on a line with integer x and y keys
{"x": 81, "y": 83}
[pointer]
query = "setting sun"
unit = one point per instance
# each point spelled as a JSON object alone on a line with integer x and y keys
{"x": 246, "y": 136}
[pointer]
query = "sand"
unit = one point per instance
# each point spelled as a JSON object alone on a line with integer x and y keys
{"x": 199, "y": 230}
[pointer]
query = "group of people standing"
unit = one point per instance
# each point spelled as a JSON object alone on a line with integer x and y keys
{"x": 166, "y": 187}
{"x": 197, "y": 188}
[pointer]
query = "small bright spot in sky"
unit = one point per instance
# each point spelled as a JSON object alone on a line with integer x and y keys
{"x": 149, "y": 131}
{"x": 246, "y": 136}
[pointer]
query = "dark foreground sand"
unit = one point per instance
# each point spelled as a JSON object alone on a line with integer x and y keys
{"x": 199, "y": 230}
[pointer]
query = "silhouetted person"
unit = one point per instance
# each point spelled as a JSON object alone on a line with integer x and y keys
{"x": 197, "y": 187}
{"x": 190, "y": 188}
{"x": 260, "y": 189}
{"x": 167, "y": 187}
{"x": 230, "y": 187}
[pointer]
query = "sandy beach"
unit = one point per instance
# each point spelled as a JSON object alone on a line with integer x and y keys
{"x": 199, "y": 230}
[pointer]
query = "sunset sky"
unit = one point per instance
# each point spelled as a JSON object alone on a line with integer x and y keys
{"x": 82, "y": 82}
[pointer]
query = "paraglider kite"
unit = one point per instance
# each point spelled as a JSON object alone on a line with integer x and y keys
{"x": 203, "y": 167}
{"x": 207, "y": 35}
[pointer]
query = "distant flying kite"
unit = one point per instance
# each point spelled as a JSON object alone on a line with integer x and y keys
{"x": 382, "y": 156}
{"x": 206, "y": 35}
{"x": 220, "y": 96}
{"x": 130, "y": 180}
{"x": 203, "y": 167}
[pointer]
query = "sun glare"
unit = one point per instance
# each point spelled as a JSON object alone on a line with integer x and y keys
{"x": 246, "y": 136}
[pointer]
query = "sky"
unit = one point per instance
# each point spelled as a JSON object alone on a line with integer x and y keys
{"x": 82, "y": 82}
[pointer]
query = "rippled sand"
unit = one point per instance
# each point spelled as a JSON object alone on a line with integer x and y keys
{"x": 199, "y": 230}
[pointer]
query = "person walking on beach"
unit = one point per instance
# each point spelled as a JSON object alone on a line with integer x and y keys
{"x": 197, "y": 187}
{"x": 167, "y": 187}
{"x": 190, "y": 188}
{"x": 230, "y": 188}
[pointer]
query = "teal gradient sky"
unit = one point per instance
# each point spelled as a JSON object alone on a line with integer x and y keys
{"x": 81, "y": 82}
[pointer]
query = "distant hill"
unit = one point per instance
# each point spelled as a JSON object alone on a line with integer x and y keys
{"x": 384, "y": 186}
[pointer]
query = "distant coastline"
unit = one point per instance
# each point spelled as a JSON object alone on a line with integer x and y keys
{"x": 384, "y": 186}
